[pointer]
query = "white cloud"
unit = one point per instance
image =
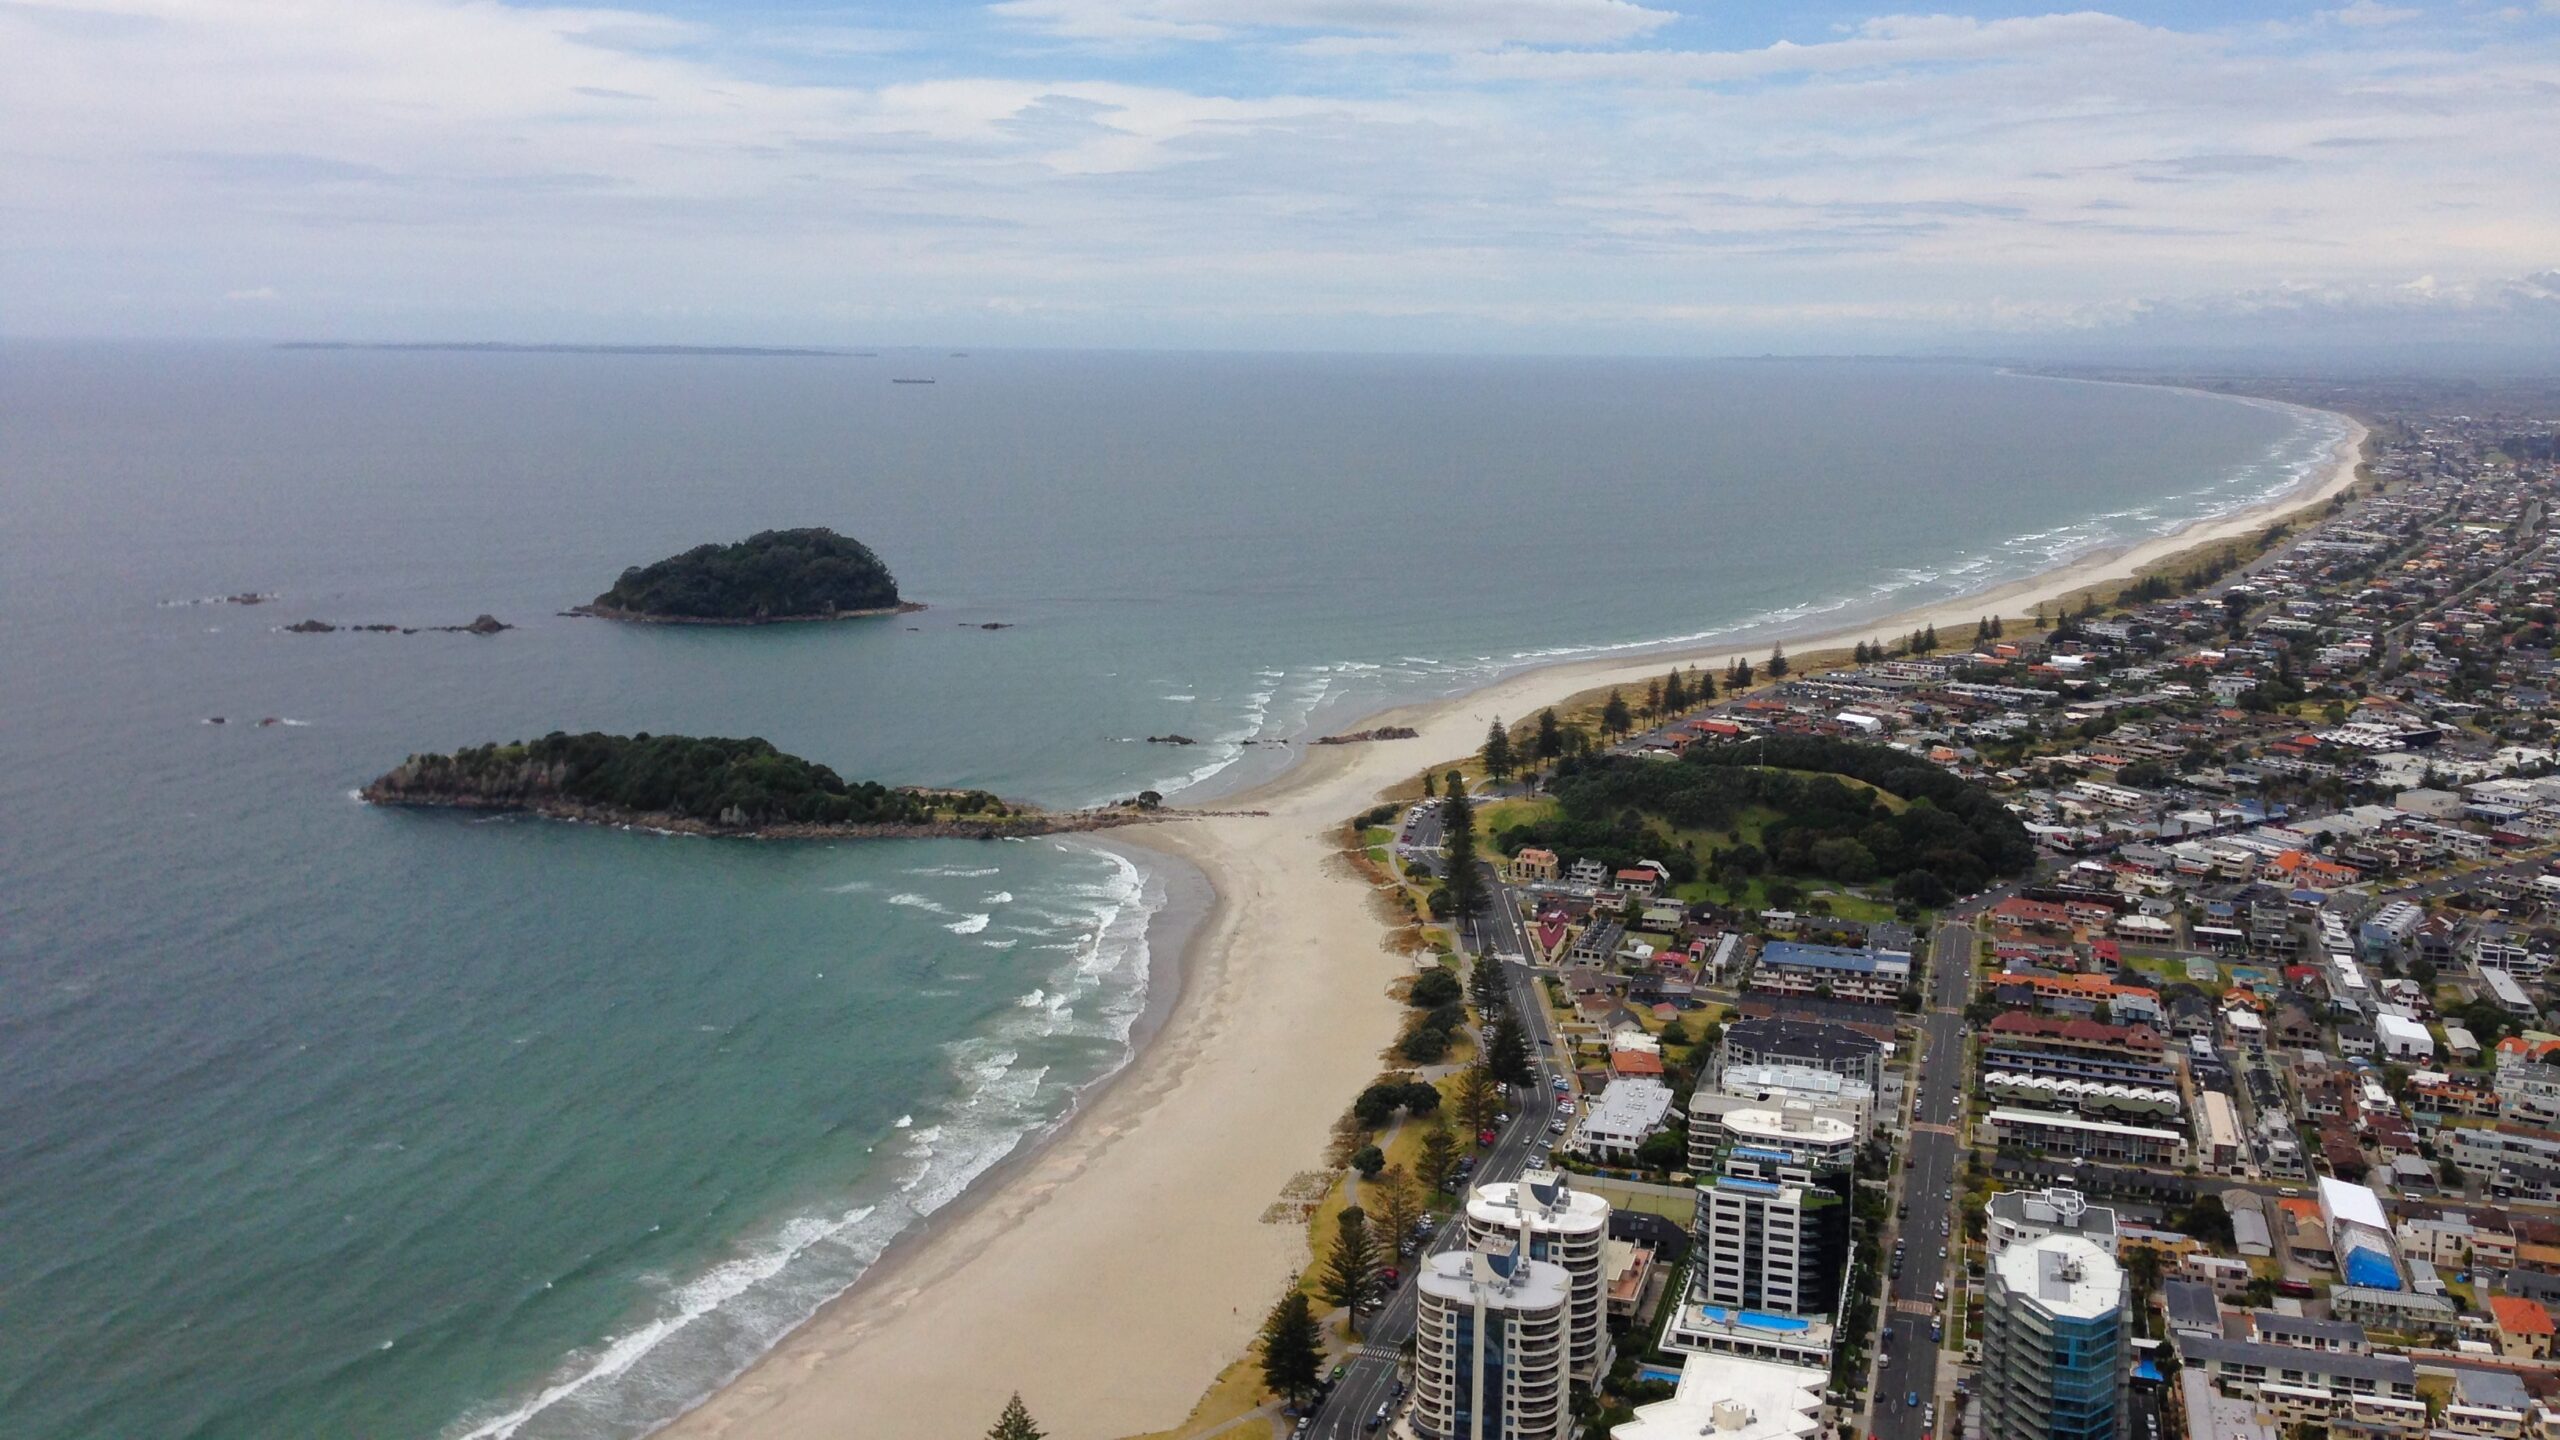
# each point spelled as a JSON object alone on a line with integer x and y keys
{"x": 2372, "y": 13}
{"x": 1460, "y": 22}
{"x": 409, "y": 161}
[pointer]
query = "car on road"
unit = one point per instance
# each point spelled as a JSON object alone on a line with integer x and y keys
{"x": 1942, "y": 1252}
{"x": 1390, "y": 1277}
{"x": 1937, "y": 1329}
{"x": 1385, "y": 1408}
{"x": 1336, "y": 1377}
{"x": 1911, "y": 1398}
{"x": 1942, "y": 1289}
{"x": 1305, "y": 1424}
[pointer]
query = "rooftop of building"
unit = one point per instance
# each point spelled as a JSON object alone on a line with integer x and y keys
{"x": 1797, "y": 1079}
{"x": 2069, "y": 1276}
{"x": 2384, "y": 1369}
{"x": 1788, "y": 1126}
{"x": 1499, "y": 1282}
{"x": 1814, "y": 1040}
{"x": 1732, "y": 1398}
{"x": 1545, "y": 1198}
{"x": 2518, "y": 1316}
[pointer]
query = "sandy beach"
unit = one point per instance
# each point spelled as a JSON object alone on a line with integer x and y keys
{"x": 1112, "y": 1275}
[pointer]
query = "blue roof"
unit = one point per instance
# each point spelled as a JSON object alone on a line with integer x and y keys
{"x": 2148, "y": 1371}
{"x": 1817, "y": 957}
{"x": 2371, "y": 1269}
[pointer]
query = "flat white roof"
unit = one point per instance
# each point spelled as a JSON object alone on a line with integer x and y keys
{"x": 2066, "y": 1275}
{"x": 1802, "y": 1125}
{"x": 1758, "y": 1399}
{"x": 1463, "y": 1277}
{"x": 1549, "y": 1202}
{"x": 2342, "y": 1201}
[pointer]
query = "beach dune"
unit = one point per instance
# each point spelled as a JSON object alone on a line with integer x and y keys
{"x": 1110, "y": 1277}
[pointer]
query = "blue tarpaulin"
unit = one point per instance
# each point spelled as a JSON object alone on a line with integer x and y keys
{"x": 2372, "y": 1269}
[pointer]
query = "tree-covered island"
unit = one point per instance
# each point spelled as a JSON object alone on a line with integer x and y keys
{"x": 705, "y": 786}
{"x": 769, "y": 578}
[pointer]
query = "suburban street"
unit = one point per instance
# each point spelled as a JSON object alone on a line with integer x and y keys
{"x": 1371, "y": 1378}
{"x": 1930, "y": 1171}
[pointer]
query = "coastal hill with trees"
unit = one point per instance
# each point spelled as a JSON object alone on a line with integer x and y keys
{"x": 768, "y": 578}
{"x": 702, "y": 786}
{"x": 1785, "y": 805}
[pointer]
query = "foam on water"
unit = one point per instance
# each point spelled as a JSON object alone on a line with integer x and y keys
{"x": 1017, "y": 1080}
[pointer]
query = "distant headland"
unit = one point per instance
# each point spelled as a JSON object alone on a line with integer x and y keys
{"x": 773, "y": 577}
{"x": 708, "y": 786}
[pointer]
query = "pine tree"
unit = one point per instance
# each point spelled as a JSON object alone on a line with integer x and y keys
{"x": 1351, "y": 1272}
{"x": 1292, "y": 1348}
{"x": 1929, "y": 639}
{"x": 1981, "y": 629}
{"x": 1861, "y": 654}
{"x": 1476, "y": 1098}
{"x": 1777, "y": 662}
{"x": 1439, "y": 1154}
{"x": 1702, "y": 686}
{"x": 1652, "y": 698}
{"x": 1497, "y": 753}
{"x": 1995, "y": 627}
{"x": 1550, "y": 736}
{"x": 1430, "y": 785}
{"x": 1015, "y": 1422}
{"x": 1613, "y": 715}
{"x": 1675, "y": 693}
{"x": 1458, "y": 836}
{"x": 1507, "y": 1054}
{"x": 1397, "y": 1201}
{"x": 1741, "y": 675}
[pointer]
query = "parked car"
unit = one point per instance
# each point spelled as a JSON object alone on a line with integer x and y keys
{"x": 1380, "y": 1418}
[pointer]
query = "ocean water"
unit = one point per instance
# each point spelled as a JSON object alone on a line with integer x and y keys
{"x": 317, "y": 1119}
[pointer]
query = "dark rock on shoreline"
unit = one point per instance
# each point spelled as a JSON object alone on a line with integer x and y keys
{"x": 485, "y": 625}
{"x": 1383, "y": 732}
{"x": 1171, "y": 740}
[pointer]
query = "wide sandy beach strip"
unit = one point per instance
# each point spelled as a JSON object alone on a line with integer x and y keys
{"x": 1113, "y": 1275}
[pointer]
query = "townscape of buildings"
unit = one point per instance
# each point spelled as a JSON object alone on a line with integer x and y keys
{"x": 2259, "y": 1121}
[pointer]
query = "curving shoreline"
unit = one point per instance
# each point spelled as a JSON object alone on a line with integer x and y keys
{"x": 1112, "y": 1273}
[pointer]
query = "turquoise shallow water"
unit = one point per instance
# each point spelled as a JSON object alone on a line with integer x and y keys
{"x": 320, "y": 1120}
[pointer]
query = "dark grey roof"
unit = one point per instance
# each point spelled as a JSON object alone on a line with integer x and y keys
{"x": 2385, "y": 1369}
{"x": 2192, "y": 1305}
{"x": 2491, "y": 1387}
{"x": 1805, "y": 1039}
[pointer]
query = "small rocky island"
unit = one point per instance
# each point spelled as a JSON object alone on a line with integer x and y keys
{"x": 706, "y": 786}
{"x": 773, "y": 577}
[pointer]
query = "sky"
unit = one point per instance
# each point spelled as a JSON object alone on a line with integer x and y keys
{"x": 1646, "y": 176}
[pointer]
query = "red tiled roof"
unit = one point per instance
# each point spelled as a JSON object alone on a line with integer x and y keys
{"x": 2520, "y": 1316}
